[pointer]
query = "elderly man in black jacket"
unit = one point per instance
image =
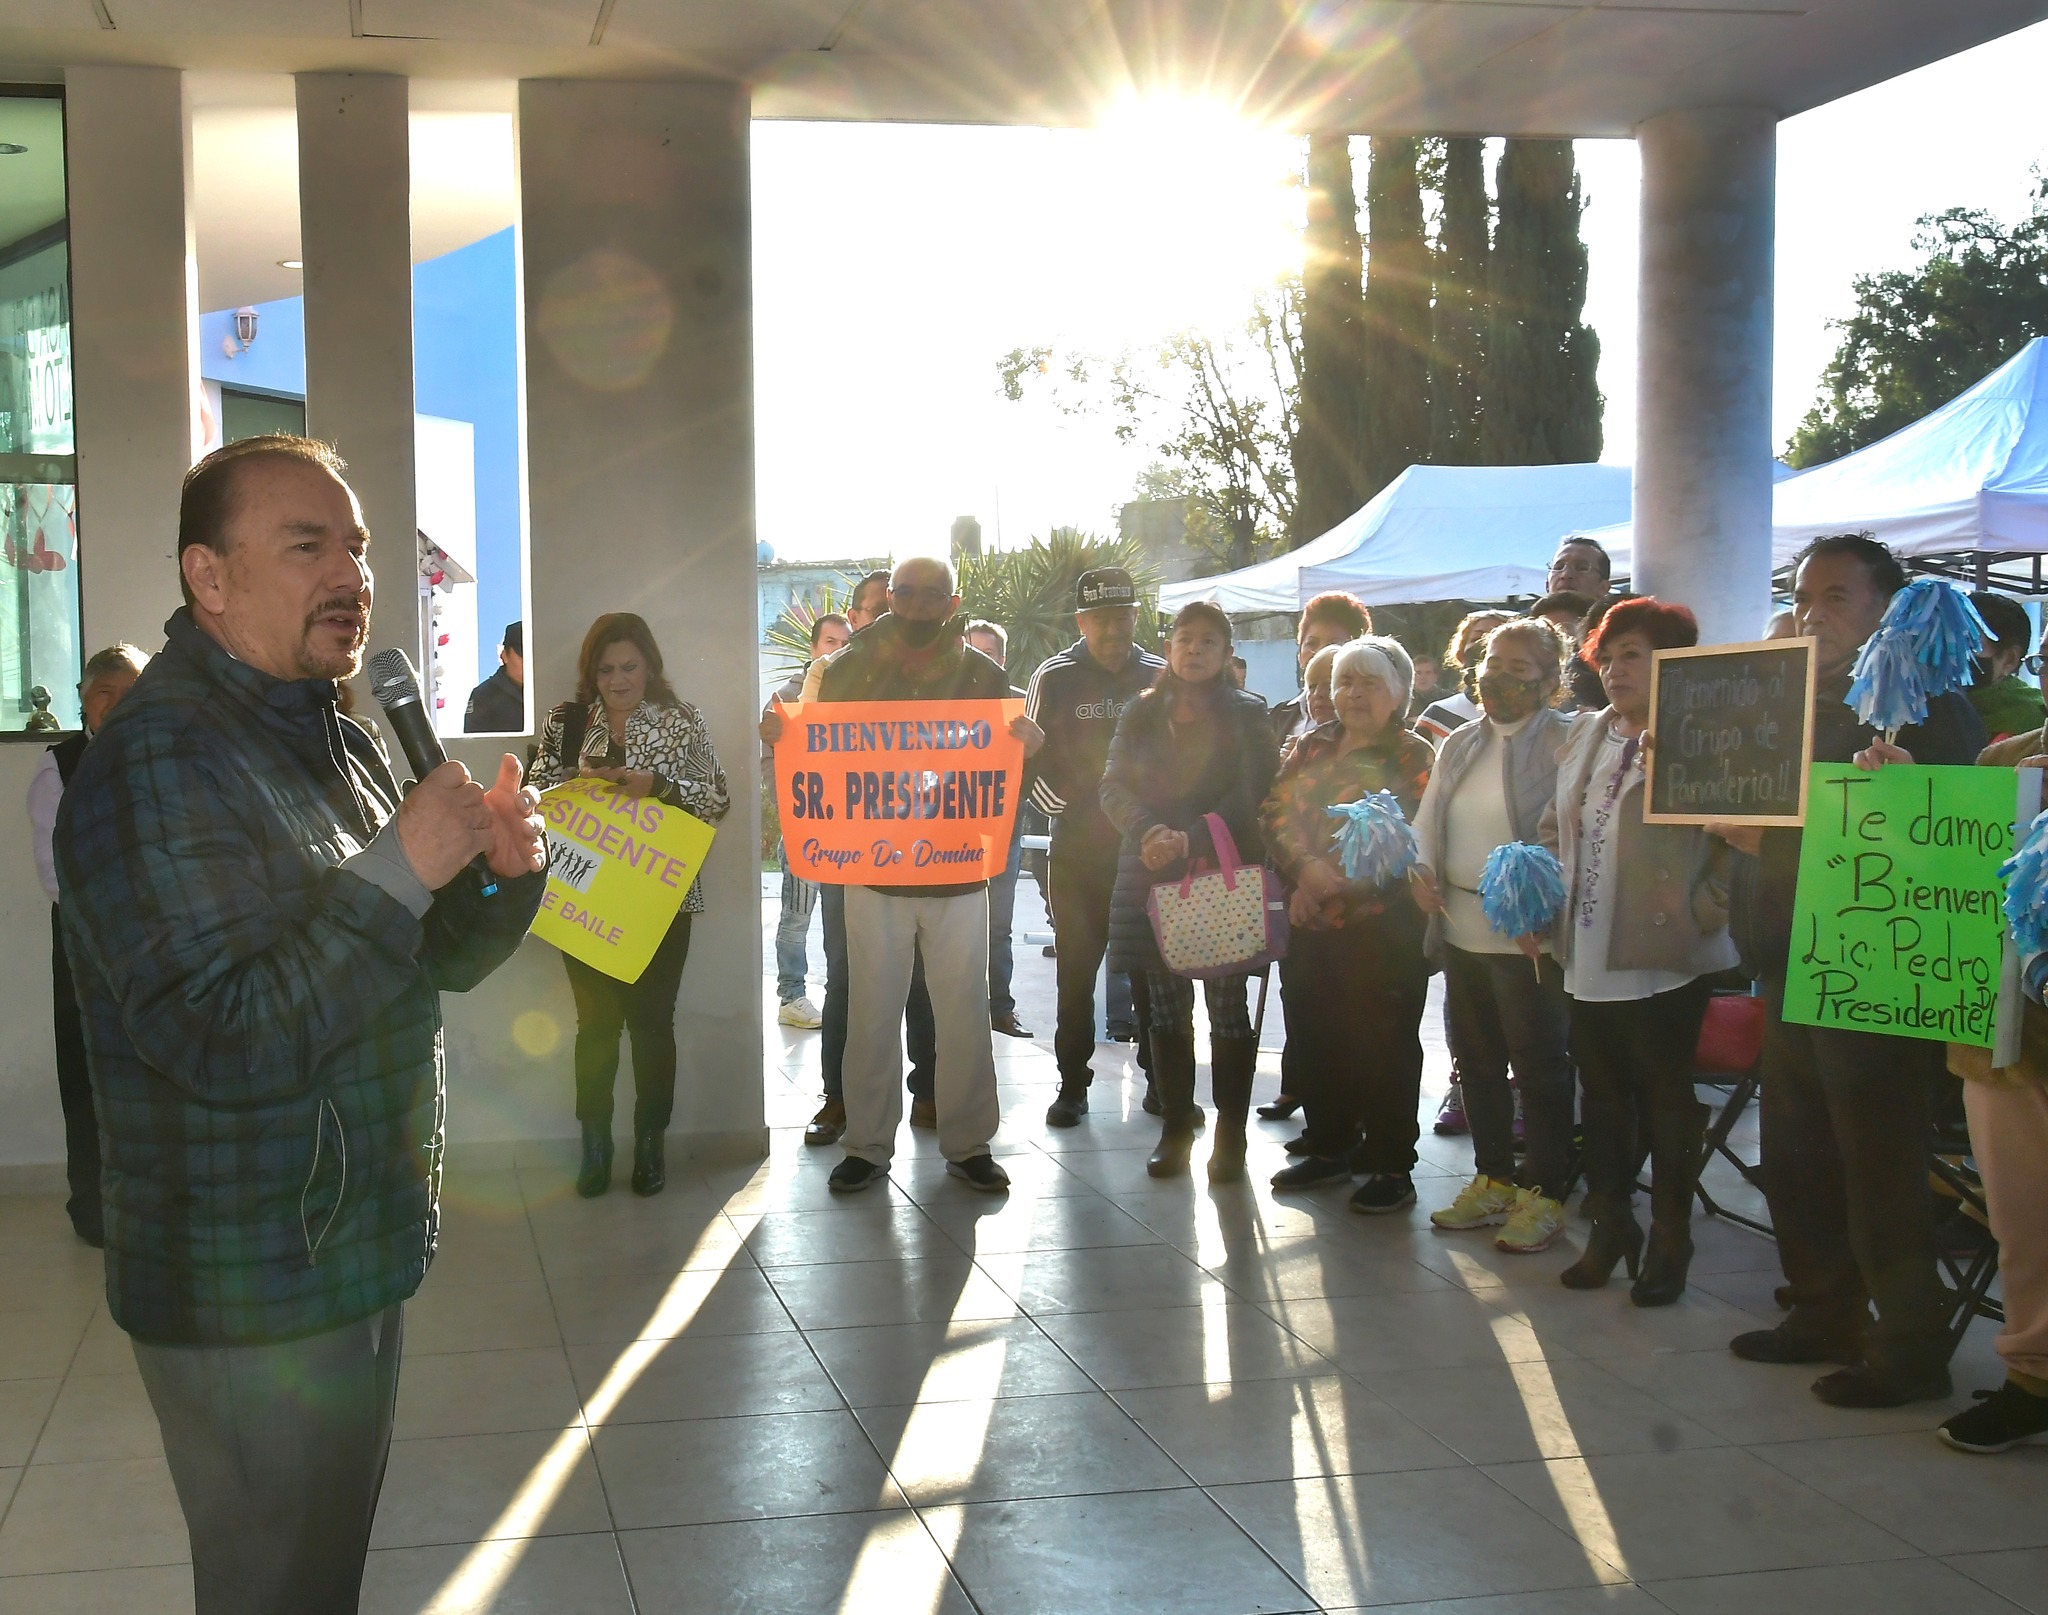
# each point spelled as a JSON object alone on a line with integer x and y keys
{"x": 260, "y": 928}
{"x": 1845, "y": 1113}
{"x": 1076, "y": 697}
{"x": 917, "y": 651}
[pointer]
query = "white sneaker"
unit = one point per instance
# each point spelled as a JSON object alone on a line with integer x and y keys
{"x": 800, "y": 1012}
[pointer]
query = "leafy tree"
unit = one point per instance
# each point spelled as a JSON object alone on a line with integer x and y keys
{"x": 1030, "y": 591}
{"x": 1457, "y": 347}
{"x": 1540, "y": 393}
{"x": 1921, "y": 336}
{"x": 789, "y": 635}
{"x": 1327, "y": 474}
{"x": 1227, "y": 410}
{"x": 1397, "y": 316}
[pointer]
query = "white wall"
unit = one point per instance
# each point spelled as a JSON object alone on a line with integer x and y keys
{"x": 635, "y": 239}
{"x": 134, "y": 335}
{"x": 31, "y": 1126}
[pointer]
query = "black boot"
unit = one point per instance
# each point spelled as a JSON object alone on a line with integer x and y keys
{"x": 596, "y": 1174}
{"x": 1173, "y": 1074}
{"x": 1616, "y": 1237}
{"x": 1664, "y": 1267}
{"x": 1232, "y": 1061}
{"x": 1676, "y": 1137}
{"x": 649, "y": 1173}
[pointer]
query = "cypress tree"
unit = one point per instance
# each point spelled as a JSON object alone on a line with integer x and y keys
{"x": 1458, "y": 328}
{"x": 1540, "y": 402}
{"x": 1397, "y": 315}
{"x": 1325, "y": 450}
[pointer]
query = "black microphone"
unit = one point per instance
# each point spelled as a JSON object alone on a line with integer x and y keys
{"x": 397, "y": 689}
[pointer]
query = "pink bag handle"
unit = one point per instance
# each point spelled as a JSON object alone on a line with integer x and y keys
{"x": 1226, "y": 853}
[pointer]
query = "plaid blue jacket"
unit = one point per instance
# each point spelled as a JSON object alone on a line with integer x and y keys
{"x": 263, "y": 1028}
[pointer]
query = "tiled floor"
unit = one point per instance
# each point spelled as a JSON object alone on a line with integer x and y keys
{"x": 1101, "y": 1393}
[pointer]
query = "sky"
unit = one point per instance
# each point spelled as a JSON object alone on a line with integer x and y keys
{"x": 896, "y": 264}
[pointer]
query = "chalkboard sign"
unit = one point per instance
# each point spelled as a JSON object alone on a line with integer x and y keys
{"x": 1731, "y": 731}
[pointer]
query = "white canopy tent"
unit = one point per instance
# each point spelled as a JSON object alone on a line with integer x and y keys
{"x": 1436, "y": 532}
{"x": 1969, "y": 481}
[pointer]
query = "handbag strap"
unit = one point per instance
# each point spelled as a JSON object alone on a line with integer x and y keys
{"x": 1227, "y": 860}
{"x": 1226, "y": 847}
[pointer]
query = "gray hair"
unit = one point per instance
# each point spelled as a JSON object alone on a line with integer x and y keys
{"x": 1380, "y": 657}
{"x": 1539, "y": 634}
{"x": 121, "y": 657}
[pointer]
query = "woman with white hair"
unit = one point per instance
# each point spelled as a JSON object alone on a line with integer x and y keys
{"x": 1494, "y": 780}
{"x": 1356, "y": 978}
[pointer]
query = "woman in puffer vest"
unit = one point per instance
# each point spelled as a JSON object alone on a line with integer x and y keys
{"x": 1192, "y": 745}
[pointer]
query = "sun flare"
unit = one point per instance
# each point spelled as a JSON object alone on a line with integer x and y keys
{"x": 1203, "y": 208}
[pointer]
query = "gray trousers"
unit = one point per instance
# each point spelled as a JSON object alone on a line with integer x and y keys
{"x": 883, "y": 937}
{"x": 278, "y": 1455}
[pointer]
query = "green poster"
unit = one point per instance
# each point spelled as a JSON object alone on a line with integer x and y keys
{"x": 1897, "y": 927}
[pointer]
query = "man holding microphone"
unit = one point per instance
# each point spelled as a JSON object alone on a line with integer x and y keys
{"x": 260, "y": 928}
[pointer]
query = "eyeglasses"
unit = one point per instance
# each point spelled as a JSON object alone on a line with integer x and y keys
{"x": 2032, "y": 664}
{"x": 921, "y": 597}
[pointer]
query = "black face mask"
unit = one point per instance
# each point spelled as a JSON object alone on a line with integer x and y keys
{"x": 917, "y": 635}
{"x": 1508, "y": 699}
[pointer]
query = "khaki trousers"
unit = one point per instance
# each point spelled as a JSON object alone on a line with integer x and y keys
{"x": 2009, "y": 1137}
{"x": 883, "y": 934}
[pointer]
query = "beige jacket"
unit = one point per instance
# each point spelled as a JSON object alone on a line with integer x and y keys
{"x": 1670, "y": 880}
{"x": 1964, "y": 1059}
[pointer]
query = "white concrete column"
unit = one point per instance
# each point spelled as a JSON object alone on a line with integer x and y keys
{"x": 635, "y": 239}
{"x": 134, "y": 340}
{"x": 355, "y": 235}
{"x": 1703, "y": 392}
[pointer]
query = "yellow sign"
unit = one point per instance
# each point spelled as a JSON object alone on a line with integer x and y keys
{"x": 619, "y": 867}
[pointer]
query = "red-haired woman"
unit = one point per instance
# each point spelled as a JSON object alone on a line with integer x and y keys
{"x": 628, "y": 725}
{"x": 1646, "y": 924}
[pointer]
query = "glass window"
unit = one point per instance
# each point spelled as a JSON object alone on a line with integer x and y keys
{"x": 39, "y": 623}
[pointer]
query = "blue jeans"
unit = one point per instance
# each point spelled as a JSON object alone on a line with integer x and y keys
{"x": 1002, "y": 908}
{"x": 793, "y": 933}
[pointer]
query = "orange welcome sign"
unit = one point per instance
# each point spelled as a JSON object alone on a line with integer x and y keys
{"x": 898, "y": 793}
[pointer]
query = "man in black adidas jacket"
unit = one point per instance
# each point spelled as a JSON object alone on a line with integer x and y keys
{"x": 1076, "y": 697}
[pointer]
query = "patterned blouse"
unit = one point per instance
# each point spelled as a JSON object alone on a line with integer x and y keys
{"x": 1316, "y": 777}
{"x": 672, "y": 742}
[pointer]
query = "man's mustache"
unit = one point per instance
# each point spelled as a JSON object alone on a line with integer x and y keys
{"x": 342, "y": 602}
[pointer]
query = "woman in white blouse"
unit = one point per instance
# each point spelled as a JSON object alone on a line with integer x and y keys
{"x": 1646, "y": 924}
{"x": 628, "y": 725}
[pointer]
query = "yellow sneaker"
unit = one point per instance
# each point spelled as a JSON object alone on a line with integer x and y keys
{"x": 1480, "y": 1204}
{"x": 1535, "y": 1221}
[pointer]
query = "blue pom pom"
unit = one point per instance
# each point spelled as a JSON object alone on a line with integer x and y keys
{"x": 1521, "y": 889}
{"x": 1375, "y": 844}
{"x": 1944, "y": 629}
{"x": 2025, "y": 875}
{"x": 1889, "y": 689}
{"x": 1923, "y": 646}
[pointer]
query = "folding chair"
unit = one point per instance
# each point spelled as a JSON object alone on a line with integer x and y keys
{"x": 1969, "y": 1265}
{"x": 1728, "y": 1058}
